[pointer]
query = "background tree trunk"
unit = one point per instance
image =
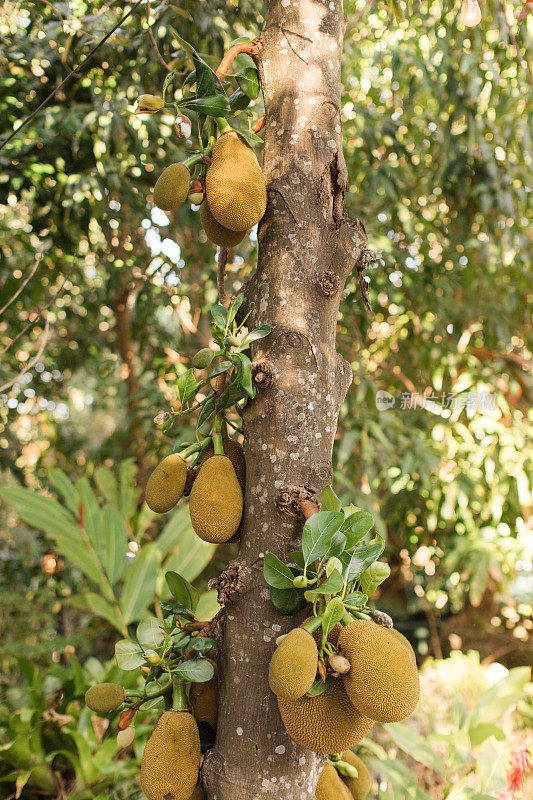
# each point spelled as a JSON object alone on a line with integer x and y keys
{"x": 307, "y": 248}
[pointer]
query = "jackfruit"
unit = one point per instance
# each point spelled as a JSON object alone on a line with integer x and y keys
{"x": 203, "y": 698}
{"x": 171, "y": 758}
{"x": 198, "y": 794}
{"x": 172, "y": 187}
{"x": 203, "y": 358}
{"x": 293, "y": 666}
{"x": 406, "y": 643}
{"x": 166, "y": 483}
{"x": 217, "y": 233}
{"x": 216, "y": 503}
{"x": 383, "y": 682}
{"x": 327, "y": 723}
{"x": 330, "y": 786}
{"x": 104, "y": 697}
{"x": 235, "y": 186}
{"x": 235, "y": 452}
{"x": 360, "y": 786}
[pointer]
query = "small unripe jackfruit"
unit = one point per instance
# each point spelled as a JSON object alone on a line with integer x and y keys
{"x": 293, "y": 665}
{"x": 360, "y": 786}
{"x": 330, "y": 786}
{"x": 104, "y": 697}
{"x": 216, "y": 232}
{"x": 235, "y": 452}
{"x": 235, "y": 185}
{"x": 171, "y": 758}
{"x": 203, "y": 358}
{"x": 327, "y": 723}
{"x": 172, "y": 187}
{"x": 383, "y": 681}
{"x": 166, "y": 484}
{"x": 203, "y": 698}
{"x": 216, "y": 502}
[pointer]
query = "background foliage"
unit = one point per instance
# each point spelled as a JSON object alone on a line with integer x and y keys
{"x": 437, "y": 144}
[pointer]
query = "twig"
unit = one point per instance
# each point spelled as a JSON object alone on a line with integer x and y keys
{"x": 38, "y": 258}
{"x": 34, "y": 360}
{"x": 152, "y": 38}
{"x": 221, "y": 269}
{"x": 250, "y": 48}
{"x": 72, "y": 74}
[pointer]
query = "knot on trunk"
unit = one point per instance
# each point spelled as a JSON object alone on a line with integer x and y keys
{"x": 289, "y": 500}
{"x": 262, "y": 373}
{"x": 328, "y": 283}
{"x": 227, "y": 584}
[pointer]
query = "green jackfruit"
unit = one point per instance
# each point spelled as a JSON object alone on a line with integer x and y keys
{"x": 171, "y": 758}
{"x": 104, "y": 697}
{"x": 203, "y": 698}
{"x": 235, "y": 452}
{"x": 203, "y": 358}
{"x": 293, "y": 665}
{"x": 360, "y": 786}
{"x": 166, "y": 484}
{"x": 330, "y": 786}
{"x": 327, "y": 723}
{"x": 172, "y": 187}
{"x": 216, "y": 502}
{"x": 235, "y": 186}
{"x": 383, "y": 682}
{"x": 217, "y": 233}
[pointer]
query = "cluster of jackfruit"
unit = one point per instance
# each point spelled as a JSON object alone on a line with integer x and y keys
{"x": 216, "y": 498}
{"x": 381, "y": 684}
{"x": 348, "y": 779}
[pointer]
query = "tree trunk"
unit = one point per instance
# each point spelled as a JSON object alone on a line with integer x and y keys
{"x": 307, "y": 248}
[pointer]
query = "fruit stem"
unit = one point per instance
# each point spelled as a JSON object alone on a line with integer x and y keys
{"x": 179, "y": 696}
{"x": 192, "y": 160}
{"x": 216, "y": 436}
{"x": 188, "y": 451}
{"x": 346, "y": 618}
{"x": 222, "y": 125}
{"x": 249, "y": 48}
{"x": 313, "y": 624}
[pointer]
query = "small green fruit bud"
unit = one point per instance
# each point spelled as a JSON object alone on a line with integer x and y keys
{"x": 333, "y": 564}
{"x": 152, "y": 657}
{"x": 148, "y": 104}
{"x": 348, "y": 770}
{"x": 126, "y": 737}
{"x": 233, "y": 340}
{"x": 300, "y": 582}
{"x": 203, "y": 358}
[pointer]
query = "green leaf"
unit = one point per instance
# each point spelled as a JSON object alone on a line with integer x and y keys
{"x": 197, "y": 670}
{"x": 244, "y": 372}
{"x": 234, "y": 307}
{"x": 115, "y": 543}
{"x": 219, "y": 368}
{"x": 177, "y": 609}
{"x": 331, "y": 585}
{"x": 202, "y": 644}
{"x": 139, "y": 586}
{"x": 334, "y": 613}
{"x": 238, "y": 101}
{"x": 186, "y": 385}
{"x": 129, "y": 492}
{"x": 479, "y": 733}
{"x": 215, "y": 106}
{"x": 249, "y": 82}
{"x": 362, "y": 558}
{"x": 319, "y": 687}
{"x": 62, "y": 484}
{"x": 287, "y": 601}
{"x": 205, "y": 78}
{"x": 330, "y": 501}
{"x": 107, "y": 484}
{"x": 219, "y": 314}
{"x": 101, "y": 607}
{"x": 150, "y": 634}
{"x": 129, "y": 655}
{"x": 356, "y": 526}
{"x": 318, "y": 533}
{"x": 414, "y": 745}
{"x": 357, "y": 599}
{"x": 276, "y": 573}
{"x": 490, "y": 767}
{"x": 373, "y": 576}
{"x": 504, "y": 694}
{"x": 208, "y": 605}
{"x": 181, "y": 590}
{"x": 258, "y": 333}
{"x": 298, "y": 558}
{"x": 207, "y": 409}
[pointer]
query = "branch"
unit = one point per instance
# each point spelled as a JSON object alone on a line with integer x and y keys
{"x": 38, "y": 258}
{"x": 221, "y": 269}
{"x": 34, "y": 360}
{"x": 252, "y": 48}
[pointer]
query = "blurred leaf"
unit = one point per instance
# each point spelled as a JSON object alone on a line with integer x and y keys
{"x": 139, "y": 586}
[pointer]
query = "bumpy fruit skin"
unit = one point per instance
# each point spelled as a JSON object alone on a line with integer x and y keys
{"x": 166, "y": 484}
{"x": 171, "y": 758}
{"x": 327, "y": 723}
{"x": 104, "y": 697}
{"x": 330, "y": 786}
{"x": 235, "y": 186}
{"x": 216, "y": 502}
{"x": 198, "y": 794}
{"x": 203, "y": 698}
{"x": 217, "y": 233}
{"x": 203, "y": 358}
{"x": 172, "y": 187}
{"x": 383, "y": 682}
{"x": 293, "y": 665}
{"x": 406, "y": 643}
{"x": 235, "y": 452}
{"x": 360, "y": 786}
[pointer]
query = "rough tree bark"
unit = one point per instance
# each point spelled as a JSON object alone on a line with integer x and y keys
{"x": 307, "y": 249}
